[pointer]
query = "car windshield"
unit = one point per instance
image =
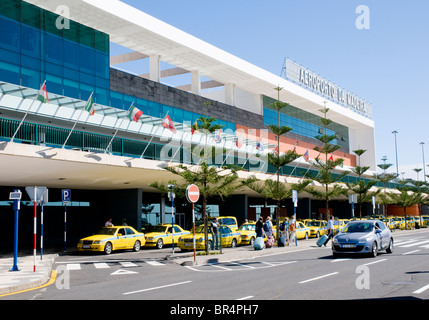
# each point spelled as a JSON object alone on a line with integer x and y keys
{"x": 107, "y": 231}
{"x": 157, "y": 229}
{"x": 247, "y": 227}
{"x": 314, "y": 224}
{"x": 359, "y": 227}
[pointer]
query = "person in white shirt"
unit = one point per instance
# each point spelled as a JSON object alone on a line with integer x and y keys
{"x": 109, "y": 223}
{"x": 292, "y": 229}
{"x": 330, "y": 230}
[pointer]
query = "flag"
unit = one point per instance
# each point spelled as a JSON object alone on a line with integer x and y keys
{"x": 294, "y": 149}
{"x": 306, "y": 156}
{"x": 135, "y": 114}
{"x": 238, "y": 143}
{"x": 42, "y": 95}
{"x": 90, "y": 106}
{"x": 218, "y": 136}
{"x": 331, "y": 158}
{"x": 276, "y": 150}
{"x": 168, "y": 124}
{"x": 259, "y": 145}
{"x": 194, "y": 127}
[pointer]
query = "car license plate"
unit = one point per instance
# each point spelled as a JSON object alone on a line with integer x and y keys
{"x": 86, "y": 247}
{"x": 347, "y": 246}
{"x": 189, "y": 244}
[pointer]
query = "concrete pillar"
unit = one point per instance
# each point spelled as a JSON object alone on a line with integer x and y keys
{"x": 230, "y": 94}
{"x": 196, "y": 82}
{"x": 155, "y": 68}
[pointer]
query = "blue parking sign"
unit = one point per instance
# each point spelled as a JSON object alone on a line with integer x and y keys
{"x": 66, "y": 195}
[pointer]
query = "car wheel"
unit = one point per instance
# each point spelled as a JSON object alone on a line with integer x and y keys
{"x": 160, "y": 244}
{"x": 137, "y": 246}
{"x": 252, "y": 241}
{"x": 108, "y": 248}
{"x": 233, "y": 243}
{"x": 390, "y": 247}
{"x": 374, "y": 250}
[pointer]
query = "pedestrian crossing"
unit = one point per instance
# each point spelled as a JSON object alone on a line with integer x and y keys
{"x": 74, "y": 266}
{"x": 420, "y": 242}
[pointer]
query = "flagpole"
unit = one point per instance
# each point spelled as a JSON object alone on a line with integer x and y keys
{"x": 74, "y": 126}
{"x": 118, "y": 129}
{"x": 150, "y": 141}
{"x": 25, "y": 115}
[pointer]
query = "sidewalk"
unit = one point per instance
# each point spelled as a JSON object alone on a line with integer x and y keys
{"x": 25, "y": 279}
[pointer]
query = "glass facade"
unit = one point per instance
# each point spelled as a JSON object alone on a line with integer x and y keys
{"x": 304, "y": 123}
{"x": 74, "y": 62}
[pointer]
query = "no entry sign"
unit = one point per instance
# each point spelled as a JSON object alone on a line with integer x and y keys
{"x": 192, "y": 193}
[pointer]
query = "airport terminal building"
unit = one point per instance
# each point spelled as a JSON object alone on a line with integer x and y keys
{"x": 74, "y": 116}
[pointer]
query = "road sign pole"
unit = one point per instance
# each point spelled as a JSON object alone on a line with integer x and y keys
{"x": 16, "y": 205}
{"x": 65, "y": 227}
{"x": 41, "y": 230}
{"x": 193, "y": 228}
{"x": 172, "y": 217}
{"x": 35, "y": 235}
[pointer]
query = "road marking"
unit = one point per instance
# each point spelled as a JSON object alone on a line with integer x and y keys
{"x": 381, "y": 260}
{"x": 406, "y": 242}
{"x": 245, "y": 298}
{"x": 156, "y": 288}
{"x": 122, "y": 272}
{"x": 413, "y": 244}
{"x": 101, "y": 265}
{"x": 73, "y": 266}
{"x": 155, "y": 263}
{"x": 239, "y": 264}
{"x": 425, "y": 246}
{"x": 422, "y": 289}
{"x": 321, "y": 277}
{"x": 404, "y": 254}
{"x": 127, "y": 264}
{"x": 340, "y": 260}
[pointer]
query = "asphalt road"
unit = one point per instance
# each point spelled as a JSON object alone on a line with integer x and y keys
{"x": 309, "y": 273}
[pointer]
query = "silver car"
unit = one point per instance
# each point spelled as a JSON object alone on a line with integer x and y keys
{"x": 363, "y": 236}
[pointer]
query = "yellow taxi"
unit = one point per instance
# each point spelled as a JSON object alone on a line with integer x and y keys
{"x": 229, "y": 221}
{"x": 248, "y": 233}
{"x": 112, "y": 238}
{"x": 162, "y": 234}
{"x": 389, "y": 222}
{"x": 317, "y": 227}
{"x": 230, "y": 238}
{"x": 302, "y": 232}
{"x": 339, "y": 224}
{"x": 399, "y": 222}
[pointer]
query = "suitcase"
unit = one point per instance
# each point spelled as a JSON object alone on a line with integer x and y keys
{"x": 269, "y": 243}
{"x": 282, "y": 242}
{"x": 259, "y": 243}
{"x": 321, "y": 240}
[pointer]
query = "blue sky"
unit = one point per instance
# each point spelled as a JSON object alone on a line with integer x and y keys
{"x": 386, "y": 65}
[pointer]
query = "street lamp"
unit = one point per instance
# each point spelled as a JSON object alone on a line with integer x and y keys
{"x": 396, "y": 153}
{"x": 423, "y": 153}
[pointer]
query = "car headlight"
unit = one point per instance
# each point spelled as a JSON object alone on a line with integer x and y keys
{"x": 335, "y": 241}
{"x": 200, "y": 240}
{"x": 98, "y": 242}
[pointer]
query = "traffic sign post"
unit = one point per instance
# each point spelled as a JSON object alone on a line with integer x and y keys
{"x": 295, "y": 204}
{"x": 16, "y": 197}
{"x": 35, "y": 194}
{"x": 352, "y": 201}
{"x": 66, "y": 198}
{"x": 42, "y": 203}
{"x": 193, "y": 194}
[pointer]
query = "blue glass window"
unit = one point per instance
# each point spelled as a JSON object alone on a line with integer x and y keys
{"x": 71, "y": 55}
{"x": 30, "y": 42}
{"x": 87, "y": 60}
{"x": 30, "y": 78}
{"x": 53, "y": 69}
{"x": 102, "y": 96}
{"x": 87, "y": 78}
{"x": 102, "y": 65}
{"x": 117, "y": 100}
{"x": 102, "y": 83}
{"x": 10, "y": 35}
{"x": 71, "y": 89}
{"x": 71, "y": 74}
{"x": 155, "y": 110}
{"x": 53, "y": 49}
{"x": 54, "y": 83}
{"x": 9, "y": 56}
{"x": 9, "y": 73}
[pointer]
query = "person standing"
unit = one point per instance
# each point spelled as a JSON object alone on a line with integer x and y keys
{"x": 109, "y": 223}
{"x": 214, "y": 228}
{"x": 268, "y": 227}
{"x": 259, "y": 227}
{"x": 330, "y": 230}
{"x": 292, "y": 229}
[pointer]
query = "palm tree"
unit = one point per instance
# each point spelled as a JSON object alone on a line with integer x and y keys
{"x": 326, "y": 167}
{"x": 362, "y": 186}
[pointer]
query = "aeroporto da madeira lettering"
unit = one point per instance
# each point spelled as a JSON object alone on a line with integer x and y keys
{"x": 330, "y": 90}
